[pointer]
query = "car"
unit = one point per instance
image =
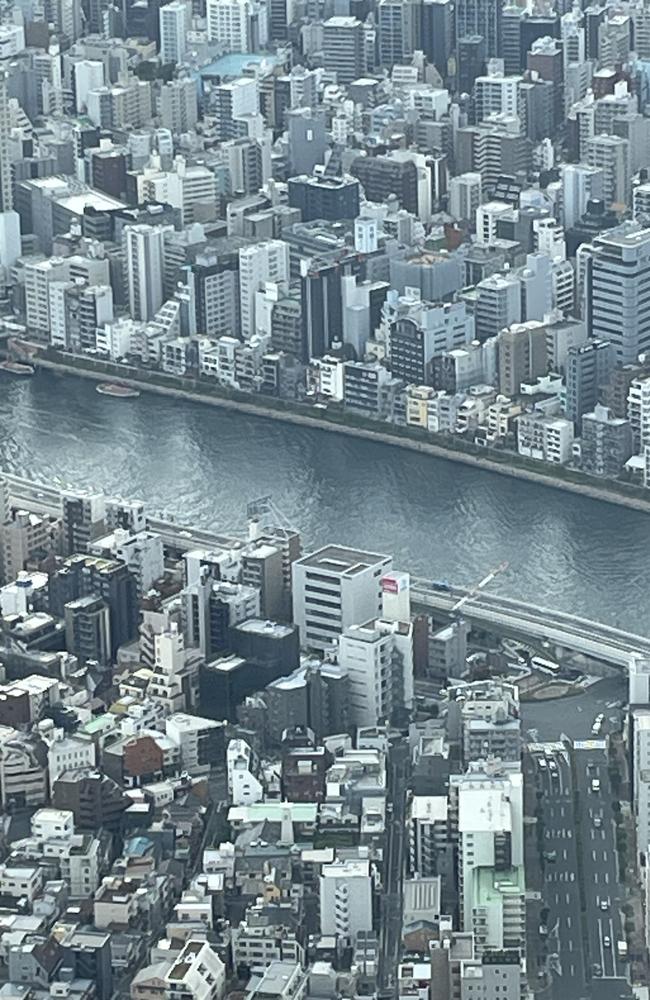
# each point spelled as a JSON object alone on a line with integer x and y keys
{"x": 598, "y": 822}
{"x": 542, "y": 763}
{"x": 604, "y": 904}
{"x": 607, "y": 941}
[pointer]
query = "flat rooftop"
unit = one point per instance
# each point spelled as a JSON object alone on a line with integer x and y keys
{"x": 337, "y": 559}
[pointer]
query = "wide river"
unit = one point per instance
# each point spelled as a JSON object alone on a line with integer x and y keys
{"x": 439, "y": 519}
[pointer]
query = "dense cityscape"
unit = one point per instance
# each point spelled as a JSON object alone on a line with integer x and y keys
{"x": 423, "y": 214}
{"x": 236, "y": 764}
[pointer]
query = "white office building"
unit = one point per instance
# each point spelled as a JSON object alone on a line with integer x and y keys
{"x": 174, "y": 19}
{"x": 490, "y": 827}
{"x": 640, "y": 720}
{"x": 378, "y": 659}
{"x": 259, "y": 263}
{"x": 346, "y": 898}
{"x": 618, "y": 287}
{"x": 638, "y": 411}
{"x": 242, "y": 766}
{"x": 465, "y": 196}
{"x": 580, "y": 183}
{"x": 237, "y": 25}
{"x": 334, "y": 588}
{"x": 486, "y": 220}
{"x": 145, "y": 265}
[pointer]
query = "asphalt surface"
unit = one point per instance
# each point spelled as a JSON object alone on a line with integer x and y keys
{"x": 599, "y": 863}
{"x": 390, "y": 942}
{"x": 561, "y": 890}
{"x": 581, "y": 887}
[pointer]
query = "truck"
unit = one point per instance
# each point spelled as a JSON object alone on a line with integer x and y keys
{"x": 621, "y": 948}
{"x": 595, "y": 785}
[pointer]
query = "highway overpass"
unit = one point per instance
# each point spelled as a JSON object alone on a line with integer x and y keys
{"x": 521, "y": 620}
{"x": 504, "y": 615}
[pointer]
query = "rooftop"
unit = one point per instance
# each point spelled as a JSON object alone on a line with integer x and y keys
{"x": 341, "y": 561}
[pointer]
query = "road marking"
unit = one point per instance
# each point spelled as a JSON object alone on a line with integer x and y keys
{"x": 570, "y": 944}
{"x": 596, "y": 876}
{"x": 568, "y": 898}
{"x": 593, "y": 855}
{"x": 568, "y": 922}
{"x": 606, "y": 878}
{"x": 604, "y": 855}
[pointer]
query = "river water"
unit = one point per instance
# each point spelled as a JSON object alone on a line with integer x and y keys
{"x": 438, "y": 518}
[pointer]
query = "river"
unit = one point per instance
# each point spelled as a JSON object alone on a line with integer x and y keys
{"x": 438, "y": 518}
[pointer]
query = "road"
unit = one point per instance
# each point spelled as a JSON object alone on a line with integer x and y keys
{"x": 599, "y": 862}
{"x": 518, "y": 618}
{"x": 390, "y": 940}
{"x": 561, "y": 885}
{"x": 579, "y": 827}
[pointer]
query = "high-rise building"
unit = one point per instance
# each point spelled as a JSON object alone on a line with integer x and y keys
{"x": 465, "y": 194}
{"x": 640, "y": 725}
{"x": 480, "y": 17}
{"x": 611, "y": 154}
{"x": 178, "y": 104}
{"x": 88, "y": 630}
{"x": 237, "y": 25}
{"x": 498, "y": 305}
{"x": 6, "y": 197}
{"x": 618, "y": 286}
{"x": 214, "y": 279}
{"x": 378, "y": 659}
{"x": 606, "y": 442}
{"x": 588, "y": 368}
{"x": 638, "y": 411}
{"x": 334, "y": 588}
{"x": 346, "y": 898}
{"x": 437, "y": 33}
{"x": 398, "y": 28}
{"x": 145, "y": 260}
{"x": 425, "y": 332}
{"x": 522, "y": 355}
{"x": 331, "y": 198}
{"x": 344, "y": 48}
{"x": 259, "y": 263}
{"x": 174, "y": 22}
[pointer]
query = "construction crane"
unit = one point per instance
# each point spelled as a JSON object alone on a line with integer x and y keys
{"x": 479, "y": 586}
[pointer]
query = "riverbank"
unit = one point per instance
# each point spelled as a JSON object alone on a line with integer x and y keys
{"x": 504, "y": 464}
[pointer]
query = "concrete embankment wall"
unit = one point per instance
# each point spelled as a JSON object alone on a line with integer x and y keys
{"x": 594, "y": 491}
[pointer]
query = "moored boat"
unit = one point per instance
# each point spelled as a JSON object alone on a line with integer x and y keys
{"x": 118, "y": 391}
{"x": 16, "y": 368}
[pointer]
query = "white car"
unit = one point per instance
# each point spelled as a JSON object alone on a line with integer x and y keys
{"x": 604, "y": 904}
{"x": 607, "y": 941}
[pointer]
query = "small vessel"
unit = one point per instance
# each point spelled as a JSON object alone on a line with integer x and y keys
{"x": 116, "y": 390}
{"x": 16, "y": 368}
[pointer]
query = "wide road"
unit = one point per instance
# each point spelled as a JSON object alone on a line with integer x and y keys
{"x": 561, "y": 886}
{"x": 390, "y": 937}
{"x": 599, "y": 862}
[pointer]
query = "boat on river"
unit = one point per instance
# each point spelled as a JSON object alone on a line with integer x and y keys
{"x": 117, "y": 391}
{"x": 17, "y": 368}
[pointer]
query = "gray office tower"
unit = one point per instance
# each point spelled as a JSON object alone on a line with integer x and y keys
{"x": 588, "y": 368}
{"x": 618, "y": 290}
{"x": 480, "y": 17}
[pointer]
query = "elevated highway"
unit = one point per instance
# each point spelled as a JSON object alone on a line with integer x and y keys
{"x": 524, "y": 621}
{"x": 504, "y": 615}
